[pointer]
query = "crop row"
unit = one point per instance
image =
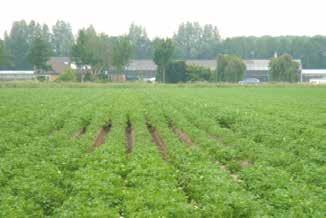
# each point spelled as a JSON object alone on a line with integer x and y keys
{"x": 158, "y": 153}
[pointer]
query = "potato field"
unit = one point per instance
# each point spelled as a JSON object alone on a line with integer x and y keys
{"x": 163, "y": 151}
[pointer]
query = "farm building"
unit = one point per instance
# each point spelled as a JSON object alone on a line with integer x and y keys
{"x": 307, "y": 74}
{"x": 140, "y": 69}
{"x": 147, "y": 68}
{"x": 57, "y": 66}
{"x": 259, "y": 69}
{"x": 6, "y": 75}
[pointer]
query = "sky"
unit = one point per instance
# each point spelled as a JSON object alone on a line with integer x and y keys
{"x": 162, "y": 17}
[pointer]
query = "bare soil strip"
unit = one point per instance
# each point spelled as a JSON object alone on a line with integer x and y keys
{"x": 100, "y": 139}
{"x": 80, "y": 132}
{"x": 161, "y": 146}
{"x": 183, "y": 137}
{"x": 130, "y": 137}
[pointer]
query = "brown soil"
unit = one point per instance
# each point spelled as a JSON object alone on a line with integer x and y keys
{"x": 100, "y": 139}
{"x": 245, "y": 164}
{"x": 80, "y": 132}
{"x": 225, "y": 169}
{"x": 130, "y": 138}
{"x": 183, "y": 137}
{"x": 161, "y": 146}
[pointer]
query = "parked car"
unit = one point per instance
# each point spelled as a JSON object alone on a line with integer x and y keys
{"x": 249, "y": 81}
{"x": 318, "y": 81}
{"x": 150, "y": 80}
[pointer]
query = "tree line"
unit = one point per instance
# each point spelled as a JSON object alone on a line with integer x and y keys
{"x": 191, "y": 40}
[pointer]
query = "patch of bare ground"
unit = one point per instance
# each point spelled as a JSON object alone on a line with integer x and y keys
{"x": 79, "y": 133}
{"x": 183, "y": 137}
{"x": 130, "y": 137}
{"x": 215, "y": 138}
{"x": 224, "y": 168}
{"x": 245, "y": 164}
{"x": 161, "y": 146}
{"x": 100, "y": 139}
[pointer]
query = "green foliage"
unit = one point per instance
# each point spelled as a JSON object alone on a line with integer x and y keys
{"x": 252, "y": 153}
{"x": 284, "y": 69}
{"x": 2, "y": 53}
{"x": 39, "y": 54}
{"x": 163, "y": 55}
{"x": 198, "y": 73}
{"x": 194, "y": 41}
{"x": 92, "y": 52}
{"x": 141, "y": 43}
{"x": 230, "y": 68}
{"x": 68, "y": 76}
{"x": 41, "y": 78}
{"x": 176, "y": 72}
{"x": 122, "y": 51}
{"x": 18, "y": 42}
{"x": 83, "y": 50}
{"x": 311, "y": 50}
{"x": 62, "y": 39}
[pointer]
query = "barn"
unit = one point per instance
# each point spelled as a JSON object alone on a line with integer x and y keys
{"x": 307, "y": 74}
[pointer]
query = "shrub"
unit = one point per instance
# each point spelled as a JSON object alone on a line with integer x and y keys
{"x": 67, "y": 75}
{"x": 230, "y": 68}
{"x": 284, "y": 69}
{"x": 176, "y": 72}
{"x": 198, "y": 73}
{"x": 41, "y": 78}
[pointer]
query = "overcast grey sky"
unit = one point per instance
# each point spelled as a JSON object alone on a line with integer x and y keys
{"x": 162, "y": 17}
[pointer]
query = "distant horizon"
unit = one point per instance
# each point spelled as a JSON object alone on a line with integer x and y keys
{"x": 233, "y": 18}
{"x": 75, "y": 31}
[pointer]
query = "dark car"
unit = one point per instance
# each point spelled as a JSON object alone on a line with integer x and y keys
{"x": 249, "y": 81}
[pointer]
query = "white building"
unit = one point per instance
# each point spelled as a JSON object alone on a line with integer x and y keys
{"x": 16, "y": 75}
{"x": 308, "y": 74}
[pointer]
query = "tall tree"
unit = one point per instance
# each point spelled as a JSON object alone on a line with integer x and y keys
{"x": 18, "y": 44}
{"x": 39, "y": 54}
{"x": 62, "y": 38}
{"x": 209, "y": 43}
{"x": 284, "y": 69}
{"x": 20, "y": 39}
{"x": 230, "y": 68}
{"x": 91, "y": 52}
{"x": 311, "y": 50}
{"x": 81, "y": 54}
{"x": 163, "y": 55}
{"x": 195, "y": 41}
{"x": 140, "y": 41}
{"x": 2, "y": 53}
{"x": 122, "y": 51}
